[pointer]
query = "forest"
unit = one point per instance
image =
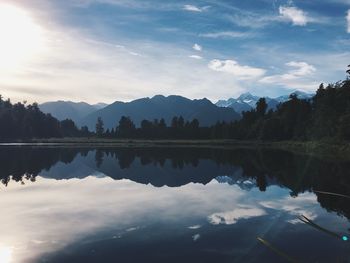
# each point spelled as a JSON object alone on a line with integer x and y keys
{"x": 326, "y": 115}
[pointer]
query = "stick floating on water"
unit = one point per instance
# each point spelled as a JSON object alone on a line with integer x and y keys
{"x": 330, "y": 193}
{"x": 276, "y": 250}
{"x": 314, "y": 225}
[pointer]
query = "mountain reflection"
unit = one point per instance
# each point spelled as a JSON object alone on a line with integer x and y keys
{"x": 175, "y": 167}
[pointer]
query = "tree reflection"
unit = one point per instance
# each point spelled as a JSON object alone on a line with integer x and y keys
{"x": 178, "y": 166}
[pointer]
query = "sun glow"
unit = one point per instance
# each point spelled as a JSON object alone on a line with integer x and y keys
{"x": 5, "y": 254}
{"x": 21, "y": 39}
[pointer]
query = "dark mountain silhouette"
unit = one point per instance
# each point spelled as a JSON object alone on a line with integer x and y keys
{"x": 159, "y": 107}
{"x": 70, "y": 110}
{"x": 81, "y": 112}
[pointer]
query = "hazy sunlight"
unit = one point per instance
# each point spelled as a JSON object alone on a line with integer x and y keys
{"x": 20, "y": 37}
{"x": 5, "y": 254}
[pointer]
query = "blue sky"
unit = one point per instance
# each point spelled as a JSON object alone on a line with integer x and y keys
{"x": 107, "y": 50}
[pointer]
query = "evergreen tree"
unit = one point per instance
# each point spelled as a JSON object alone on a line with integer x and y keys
{"x": 162, "y": 123}
{"x": 174, "y": 122}
{"x": 261, "y": 107}
{"x": 180, "y": 122}
{"x": 99, "y": 127}
{"x": 126, "y": 128}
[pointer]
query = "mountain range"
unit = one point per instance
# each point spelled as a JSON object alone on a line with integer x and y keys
{"x": 247, "y": 101}
{"x": 70, "y": 110}
{"x": 159, "y": 107}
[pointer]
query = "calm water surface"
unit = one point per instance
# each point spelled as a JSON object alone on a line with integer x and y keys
{"x": 171, "y": 205}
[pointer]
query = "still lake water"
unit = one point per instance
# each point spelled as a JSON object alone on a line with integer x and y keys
{"x": 170, "y": 205}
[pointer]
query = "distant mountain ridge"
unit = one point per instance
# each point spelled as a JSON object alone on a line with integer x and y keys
{"x": 159, "y": 107}
{"x": 247, "y": 101}
{"x": 70, "y": 110}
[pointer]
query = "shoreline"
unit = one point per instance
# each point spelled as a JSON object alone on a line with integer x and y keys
{"x": 329, "y": 149}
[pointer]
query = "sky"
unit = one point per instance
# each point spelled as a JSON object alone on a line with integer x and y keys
{"x": 109, "y": 50}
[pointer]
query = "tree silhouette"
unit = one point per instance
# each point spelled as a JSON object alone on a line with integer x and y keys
{"x": 68, "y": 128}
{"x": 126, "y": 128}
{"x": 261, "y": 107}
{"x": 99, "y": 127}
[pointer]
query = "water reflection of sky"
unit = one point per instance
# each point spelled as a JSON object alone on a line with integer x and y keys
{"x": 49, "y": 216}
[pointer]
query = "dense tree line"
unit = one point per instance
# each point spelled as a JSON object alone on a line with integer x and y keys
{"x": 156, "y": 129}
{"x": 21, "y": 121}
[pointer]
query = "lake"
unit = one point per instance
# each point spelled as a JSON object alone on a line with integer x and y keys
{"x": 84, "y": 204}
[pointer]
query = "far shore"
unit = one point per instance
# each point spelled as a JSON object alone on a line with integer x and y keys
{"x": 329, "y": 149}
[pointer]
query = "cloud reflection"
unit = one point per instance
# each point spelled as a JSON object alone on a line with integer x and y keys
{"x": 47, "y": 216}
{"x": 305, "y": 204}
{"x": 231, "y": 217}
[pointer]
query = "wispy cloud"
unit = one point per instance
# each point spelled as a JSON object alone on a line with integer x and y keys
{"x": 250, "y": 19}
{"x": 293, "y": 14}
{"x": 90, "y": 55}
{"x": 226, "y": 34}
{"x": 193, "y": 8}
{"x": 257, "y": 20}
{"x": 301, "y": 69}
{"x": 234, "y": 68}
{"x": 197, "y": 47}
{"x": 298, "y": 77}
{"x": 132, "y": 4}
{"x": 121, "y": 70}
{"x": 196, "y": 57}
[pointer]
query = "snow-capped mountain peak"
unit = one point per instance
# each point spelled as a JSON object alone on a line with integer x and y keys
{"x": 246, "y": 101}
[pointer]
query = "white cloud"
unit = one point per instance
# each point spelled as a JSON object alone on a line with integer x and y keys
{"x": 256, "y": 20}
{"x": 297, "y": 16}
{"x": 348, "y": 21}
{"x": 302, "y": 69}
{"x": 226, "y": 34}
{"x": 195, "y": 56}
{"x": 197, "y": 47}
{"x": 294, "y": 78}
{"x": 193, "y": 8}
{"x": 232, "y": 67}
{"x": 122, "y": 70}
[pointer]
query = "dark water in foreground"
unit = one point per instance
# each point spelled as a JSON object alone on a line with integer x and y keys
{"x": 170, "y": 205}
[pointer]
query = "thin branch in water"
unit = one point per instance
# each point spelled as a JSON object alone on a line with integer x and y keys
{"x": 311, "y": 223}
{"x": 276, "y": 250}
{"x": 330, "y": 193}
